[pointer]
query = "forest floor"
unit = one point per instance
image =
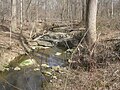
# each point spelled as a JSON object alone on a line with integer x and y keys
{"x": 106, "y": 77}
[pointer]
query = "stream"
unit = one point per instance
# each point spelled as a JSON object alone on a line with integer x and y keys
{"x": 25, "y": 77}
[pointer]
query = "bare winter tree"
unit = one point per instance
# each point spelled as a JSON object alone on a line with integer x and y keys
{"x": 14, "y": 19}
{"x": 112, "y": 7}
{"x": 91, "y": 22}
{"x": 83, "y": 10}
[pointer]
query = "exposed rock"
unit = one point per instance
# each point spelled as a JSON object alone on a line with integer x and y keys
{"x": 26, "y": 79}
{"x": 44, "y": 43}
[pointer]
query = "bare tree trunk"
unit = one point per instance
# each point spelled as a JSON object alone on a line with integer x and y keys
{"x": 21, "y": 15}
{"x": 14, "y": 19}
{"x": 37, "y": 10}
{"x": 112, "y": 7}
{"x": 27, "y": 11}
{"x": 45, "y": 10}
{"x": 83, "y": 10}
{"x": 91, "y": 22}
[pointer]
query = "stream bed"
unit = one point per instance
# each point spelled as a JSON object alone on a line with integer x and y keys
{"x": 26, "y": 73}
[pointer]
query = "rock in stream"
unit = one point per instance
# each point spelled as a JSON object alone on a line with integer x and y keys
{"x": 26, "y": 79}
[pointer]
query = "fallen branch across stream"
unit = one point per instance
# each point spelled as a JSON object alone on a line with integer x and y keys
{"x": 60, "y": 26}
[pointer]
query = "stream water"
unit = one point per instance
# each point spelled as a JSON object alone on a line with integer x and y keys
{"x": 28, "y": 79}
{"x": 55, "y": 57}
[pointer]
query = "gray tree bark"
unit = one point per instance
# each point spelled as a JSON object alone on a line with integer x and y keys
{"x": 14, "y": 19}
{"x": 91, "y": 22}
